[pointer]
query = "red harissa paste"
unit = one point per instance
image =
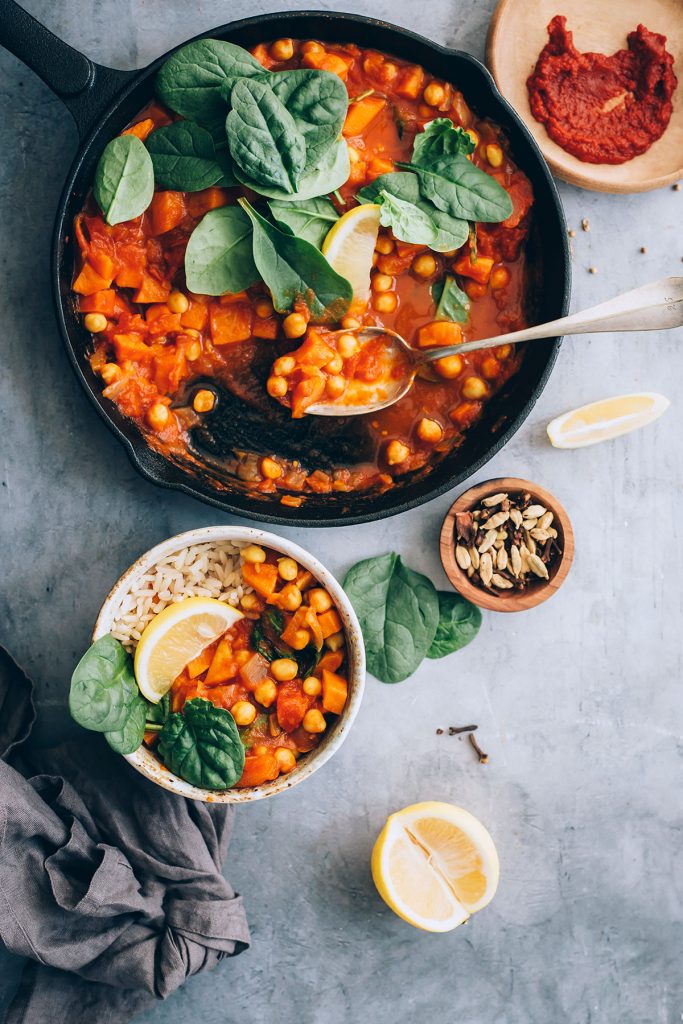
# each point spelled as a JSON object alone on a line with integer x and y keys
{"x": 604, "y": 110}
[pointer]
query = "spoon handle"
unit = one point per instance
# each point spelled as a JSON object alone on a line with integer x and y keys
{"x": 656, "y": 306}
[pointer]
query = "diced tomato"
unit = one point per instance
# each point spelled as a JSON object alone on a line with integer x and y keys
{"x": 292, "y": 704}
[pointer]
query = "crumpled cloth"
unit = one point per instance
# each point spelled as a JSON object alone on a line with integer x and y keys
{"x": 111, "y": 885}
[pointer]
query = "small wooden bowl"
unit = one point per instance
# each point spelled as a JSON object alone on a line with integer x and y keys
{"x": 507, "y": 600}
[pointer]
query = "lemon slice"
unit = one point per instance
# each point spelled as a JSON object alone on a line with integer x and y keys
{"x": 174, "y": 637}
{"x": 435, "y": 864}
{"x": 601, "y": 421}
{"x": 350, "y": 245}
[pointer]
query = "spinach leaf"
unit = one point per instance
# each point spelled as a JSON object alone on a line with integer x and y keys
{"x": 307, "y": 660}
{"x": 103, "y": 691}
{"x": 310, "y": 219}
{"x": 453, "y": 232}
{"x": 266, "y": 635}
{"x": 218, "y": 256}
{"x": 129, "y": 737}
{"x": 252, "y": 734}
{"x": 453, "y": 303}
{"x": 294, "y": 269}
{"x": 398, "y": 610}
{"x": 191, "y": 81}
{"x": 184, "y": 157}
{"x": 263, "y": 137}
{"x": 405, "y": 185}
{"x": 202, "y": 745}
{"x": 318, "y": 101}
{"x": 159, "y": 712}
{"x": 333, "y": 170}
{"x": 407, "y": 221}
{"x": 459, "y": 622}
{"x": 456, "y": 186}
{"x": 440, "y": 138}
{"x": 124, "y": 179}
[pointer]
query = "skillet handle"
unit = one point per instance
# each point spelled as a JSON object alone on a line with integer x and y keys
{"x": 85, "y": 88}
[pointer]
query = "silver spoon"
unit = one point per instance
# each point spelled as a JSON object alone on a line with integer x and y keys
{"x": 656, "y": 306}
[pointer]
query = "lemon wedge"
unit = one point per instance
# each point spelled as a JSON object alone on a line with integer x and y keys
{"x": 435, "y": 864}
{"x": 604, "y": 420}
{"x": 174, "y": 637}
{"x": 350, "y": 245}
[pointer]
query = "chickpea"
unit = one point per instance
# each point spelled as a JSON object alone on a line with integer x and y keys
{"x": 382, "y": 283}
{"x": 110, "y": 372}
{"x": 270, "y": 469}
{"x": 473, "y": 135}
{"x": 385, "y": 245}
{"x": 475, "y": 289}
{"x": 203, "y": 401}
{"x": 397, "y": 452}
{"x": 500, "y": 277}
{"x": 424, "y": 265}
{"x": 474, "y": 388}
{"x": 290, "y": 597}
{"x": 178, "y": 303}
{"x": 244, "y": 712}
{"x": 434, "y": 94}
{"x": 250, "y": 602}
{"x": 389, "y": 71}
{"x": 335, "y": 365}
{"x": 284, "y": 669}
{"x": 266, "y": 692}
{"x": 286, "y": 761}
{"x": 449, "y": 367}
{"x": 283, "y": 366}
{"x": 335, "y": 642}
{"x": 429, "y": 431}
{"x": 301, "y": 639}
{"x": 259, "y": 750}
{"x": 288, "y": 569}
{"x": 375, "y": 258}
{"x": 276, "y": 387}
{"x": 335, "y": 386}
{"x": 242, "y": 657}
{"x": 314, "y": 721}
{"x": 354, "y": 155}
{"x": 350, "y": 323}
{"x": 490, "y": 368}
{"x": 253, "y": 554}
{"x": 319, "y": 600}
{"x": 385, "y": 303}
{"x": 348, "y": 345}
{"x": 312, "y": 47}
{"x": 158, "y": 416}
{"x": 193, "y": 350}
{"x": 95, "y": 322}
{"x": 264, "y": 308}
{"x": 494, "y": 155}
{"x": 282, "y": 49}
{"x": 312, "y": 687}
{"x": 504, "y": 351}
{"x": 294, "y": 325}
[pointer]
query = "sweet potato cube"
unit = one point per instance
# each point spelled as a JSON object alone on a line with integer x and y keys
{"x": 258, "y": 769}
{"x": 196, "y": 317}
{"x": 200, "y": 203}
{"x": 89, "y": 281}
{"x": 266, "y": 329}
{"x": 99, "y": 302}
{"x": 152, "y": 290}
{"x": 141, "y": 130}
{"x": 314, "y": 351}
{"x": 329, "y": 622}
{"x": 479, "y": 270}
{"x": 361, "y": 114}
{"x": 129, "y": 277}
{"x": 223, "y": 665}
{"x": 131, "y": 347}
{"x": 331, "y": 660}
{"x": 200, "y": 664}
{"x": 297, "y": 621}
{"x": 166, "y": 211}
{"x": 262, "y": 576}
{"x": 410, "y": 81}
{"x": 335, "y": 692}
{"x": 230, "y": 323}
{"x": 439, "y": 332}
{"x": 327, "y": 62}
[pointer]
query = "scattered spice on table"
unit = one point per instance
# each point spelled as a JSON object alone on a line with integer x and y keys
{"x": 592, "y": 270}
{"x": 585, "y": 224}
{"x": 676, "y": 187}
{"x": 643, "y": 249}
{"x": 483, "y": 758}
{"x": 571, "y": 233}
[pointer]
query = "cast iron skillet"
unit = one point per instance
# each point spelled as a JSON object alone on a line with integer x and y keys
{"x": 102, "y": 101}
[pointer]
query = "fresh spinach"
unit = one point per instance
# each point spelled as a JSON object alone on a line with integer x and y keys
{"x": 263, "y": 138}
{"x": 407, "y": 221}
{"x": 440, "y": 138}
{"x": 333, "y": 170}
{"x": 192, "y": 81}
{"x": 452, "y": 302}
{"x": 459, "y": 622}
{"x": 398, "y": 610}
{"x": 451, "y": 233}
{"x": 159, "y": 712}
{"x": 294, "y": 269}
{"x": 103, "y": 690}
{"x": 124, "y": 179}
{"x": 318, "y": 101}
{"x": 253, "y": 734}
{"x": 129, "y": 737}
{"x": 310, "y": 219}
{"x": 266, "y": 638}
{"x": 453, "y": 184}
{"x": 218, "y": 257}
{"x": 202, "y": 745}
{"x": 184, "y": 157}
{"x": 307, "y": 660}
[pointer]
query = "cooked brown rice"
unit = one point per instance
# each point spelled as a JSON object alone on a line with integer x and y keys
{"x": 201, "y": 570}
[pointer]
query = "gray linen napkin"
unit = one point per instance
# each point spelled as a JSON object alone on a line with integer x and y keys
{"x": 109, "y": 883}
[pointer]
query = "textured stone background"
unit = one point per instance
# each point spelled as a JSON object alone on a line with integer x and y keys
{"x": 578, "y": 701}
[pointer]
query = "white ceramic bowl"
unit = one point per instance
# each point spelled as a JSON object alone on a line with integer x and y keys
{"x": 146, "y": 762}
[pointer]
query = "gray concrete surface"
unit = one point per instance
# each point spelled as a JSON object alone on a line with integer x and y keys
{"x": 578, "y": 701}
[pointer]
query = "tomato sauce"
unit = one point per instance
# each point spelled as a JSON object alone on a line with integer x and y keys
{"x": 157, "y": 353}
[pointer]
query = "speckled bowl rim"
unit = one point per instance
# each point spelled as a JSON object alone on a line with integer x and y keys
{"x": 144, "y": 761}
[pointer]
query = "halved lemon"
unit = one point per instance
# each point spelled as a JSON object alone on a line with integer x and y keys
{"x": 606, "y": 419}
{"x": 350, "y": 245}
{"x": 435, "y": 864}
{"x": 174, "y": 637}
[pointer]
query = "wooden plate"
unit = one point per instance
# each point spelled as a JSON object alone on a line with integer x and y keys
{"x": 517, "y": 35}
{"x": 508, "y": 600}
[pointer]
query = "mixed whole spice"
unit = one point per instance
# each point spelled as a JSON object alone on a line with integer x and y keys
{"x": 506, "y": 542}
